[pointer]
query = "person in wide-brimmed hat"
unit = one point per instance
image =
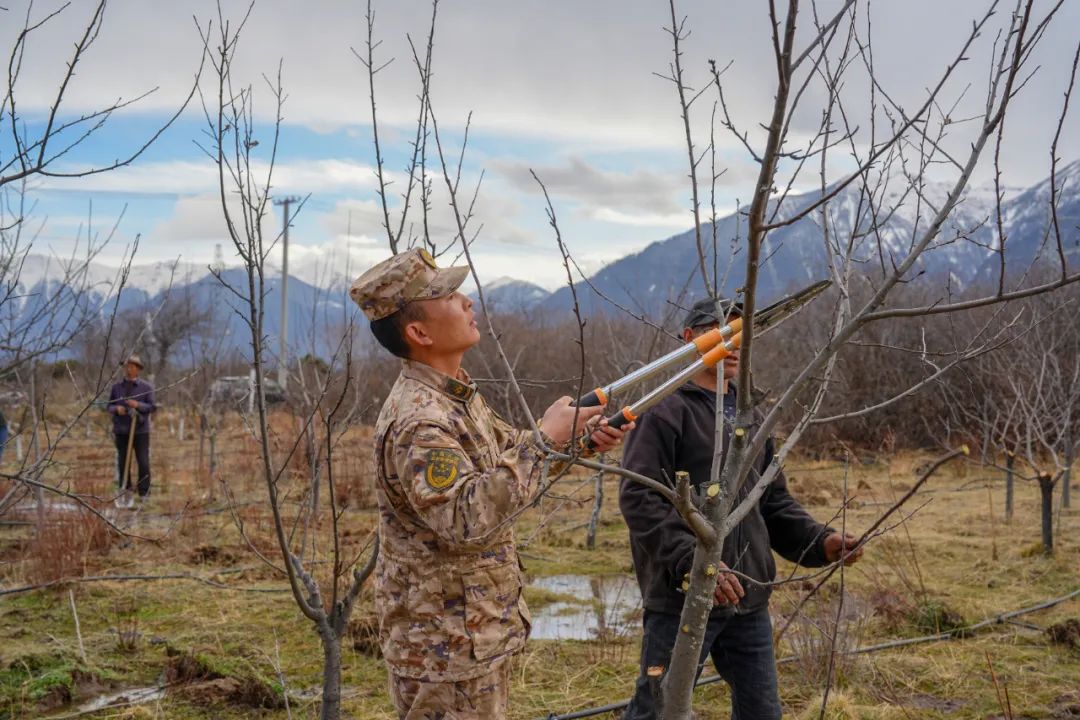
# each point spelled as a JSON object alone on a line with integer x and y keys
{"x": 130, "y": 403}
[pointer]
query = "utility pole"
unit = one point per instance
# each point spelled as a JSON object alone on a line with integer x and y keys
{"x": 151, "y": 344}
{"x": 219, "y": 259}
{"x": 283, "y": 351}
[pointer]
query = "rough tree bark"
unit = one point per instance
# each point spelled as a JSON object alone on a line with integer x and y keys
{"x": 1066, "y": 478}
{"x": 1046, "y": 493}
{"x": 1010, "y": 461}
{"x": 598, "y": 503}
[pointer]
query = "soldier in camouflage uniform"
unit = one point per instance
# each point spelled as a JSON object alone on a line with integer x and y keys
{"x": 450, "y": 476}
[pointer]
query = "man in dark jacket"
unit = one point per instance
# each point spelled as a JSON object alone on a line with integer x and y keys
{"x": 132, "y": 398}
{"x": 678, "y": 434}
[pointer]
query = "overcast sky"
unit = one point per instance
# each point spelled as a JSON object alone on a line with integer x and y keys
{"x": 567, "y": 88}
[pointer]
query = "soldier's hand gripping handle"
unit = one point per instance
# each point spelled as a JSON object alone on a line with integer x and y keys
{"x": 596, "y": 398}
{"x": 558, "y": 420}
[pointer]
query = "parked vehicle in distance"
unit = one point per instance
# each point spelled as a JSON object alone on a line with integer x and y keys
{"x": 233, "y": 390}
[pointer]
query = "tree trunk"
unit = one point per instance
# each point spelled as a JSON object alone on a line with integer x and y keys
{"x": 677, "y": 686}
{"x": 1067, "y": 477}
{"x": 35, "y": 448}
{"x": 1010, "y": 460}
{"x": 211, "y": 481}
{"x": 202, "y": 445}
{"x": 313, "y": 468}
{"x": 1046, "y": 490}
{"x": 598, "y": 503}
{"x": 331, "y": 690}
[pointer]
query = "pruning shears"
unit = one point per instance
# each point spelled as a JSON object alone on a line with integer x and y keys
{"x": 709, "y": 349}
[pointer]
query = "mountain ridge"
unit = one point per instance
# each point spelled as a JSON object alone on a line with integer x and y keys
{"x": 655, "y": 280}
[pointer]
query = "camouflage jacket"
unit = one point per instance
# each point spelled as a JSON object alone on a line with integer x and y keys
{"x": 448, "y": 581}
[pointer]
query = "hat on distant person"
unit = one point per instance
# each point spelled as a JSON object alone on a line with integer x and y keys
{"x": 134, "y": 360}
{"x": 397, "y": 281}
{"x": 703, "y": 312}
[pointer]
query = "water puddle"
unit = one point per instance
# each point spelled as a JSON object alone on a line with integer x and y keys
{"x": 589, "y": 607}
{"x": 133, "y": 696}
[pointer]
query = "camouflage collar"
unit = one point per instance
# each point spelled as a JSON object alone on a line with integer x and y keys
{"x": 461, "y": 388}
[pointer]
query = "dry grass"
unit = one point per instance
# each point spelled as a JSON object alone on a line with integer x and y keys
{"x": 936, "y": 571}
{"x": 73, "y": 542}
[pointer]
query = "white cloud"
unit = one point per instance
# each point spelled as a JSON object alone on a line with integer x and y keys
{"x": 344, "y": 258}
{"x": 581, "y": 74}
{"x": 195, "y": 219}
{"x": 187, "y": 177}
{"x": 497, "y": 213}
{"x": 177, "y": 177}
{"x": 571, "y": 71}
{"x": 339, "y": 260}
{"x": 580, "y": 181}
{"x": 323, "y": 176}
{"x": 672, "y": 220}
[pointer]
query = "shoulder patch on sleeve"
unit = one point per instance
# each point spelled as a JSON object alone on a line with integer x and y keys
{"x": 443, "y": 467}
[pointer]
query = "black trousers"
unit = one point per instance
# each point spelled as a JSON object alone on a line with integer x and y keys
{"x": 742, "y": 651}
{"x": 141, "y": 449}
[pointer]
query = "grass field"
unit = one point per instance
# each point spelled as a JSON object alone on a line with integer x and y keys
{"x": 226, "y": 640}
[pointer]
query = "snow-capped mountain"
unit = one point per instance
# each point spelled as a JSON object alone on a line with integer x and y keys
{"x": 963, "y": 251}
{"x": 508, "y": 295}
{"x": 34, "y": 272}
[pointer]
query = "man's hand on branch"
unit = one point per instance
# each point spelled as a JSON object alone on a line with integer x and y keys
{"x": 559, "y": 418}
{"x": 121, "y": 410}
{"x": 132, "y": 403}
{"x": 837, "y": 544}
{"x": 728, "y": 588}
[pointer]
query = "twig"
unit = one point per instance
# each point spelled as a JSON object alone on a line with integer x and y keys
{"x": 839, "y": 604}
{"x": 1003, "y": 699}
{"x": 863, "y": 538}
{"x": 78, "y": 630}
{"x": 677, "y": 35}
{"x": 281, "y": 675}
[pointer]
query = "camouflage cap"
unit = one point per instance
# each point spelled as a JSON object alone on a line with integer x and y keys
{"x": 397, "y": 281}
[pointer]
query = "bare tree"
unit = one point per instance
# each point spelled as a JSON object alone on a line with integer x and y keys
{"x": 204, "y": 355}
{"x": 35, "y": 321}
{"x": 1044, "y": 386}
{"x": 47, "y": 301}
{"x": 900, "y": 157}
{"x": 982, "y": 408}
{"x": 327, "y": 601}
